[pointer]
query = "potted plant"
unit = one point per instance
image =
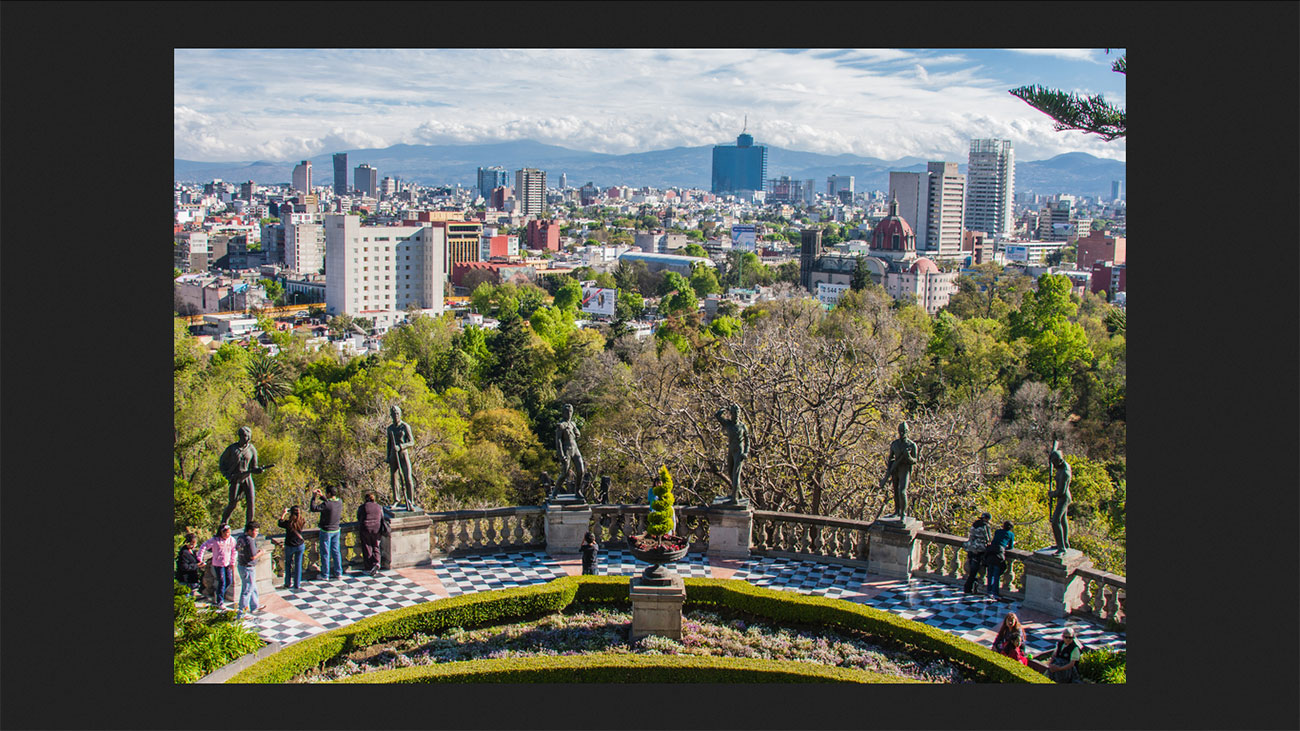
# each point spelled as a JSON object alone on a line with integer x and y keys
{"x": 658, "y": 546}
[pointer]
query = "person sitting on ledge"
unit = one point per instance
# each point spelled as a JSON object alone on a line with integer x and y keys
{"x": 1011, "y": 638}
{"x": 1063, "y": 667}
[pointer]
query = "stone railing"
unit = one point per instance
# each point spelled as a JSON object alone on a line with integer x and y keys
{"x": 492, "y": 529}
{"x": 612, "y": 524}
{"x": 809, "y": 536}
{"x": 1103, "y": 596}
{"x": 944, "y": 559}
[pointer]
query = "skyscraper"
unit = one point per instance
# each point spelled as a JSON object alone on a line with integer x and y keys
{"x": 302, "y": 177}
{"x": 365, "y": 180}
{"x": 739, "y": 167}
{"x": 837, "y": 185}
{"x": 933, "y": 204}
{"x": 340, "y": 173}
{"x": 1116, "y": 190}
{"x": 991, "y": 175}
{"x": 490, "y": 179}
{"x": 530, "y": 191}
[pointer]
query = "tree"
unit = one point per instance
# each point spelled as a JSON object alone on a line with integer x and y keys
{"x": 861, "y": 275}
{"x": 660, "y": 521}
{"x": 1089, "y": 114}
{"x": 270, "y": 380}
{"x": 703, "y": 280}
{"x": 678, "y": 295}
{"x": 629, "y": 305}
{"x": 694, "y": 250}
{"x": 569, "y": 295}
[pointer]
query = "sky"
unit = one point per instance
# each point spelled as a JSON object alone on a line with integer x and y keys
{"x": 288, "y": 104}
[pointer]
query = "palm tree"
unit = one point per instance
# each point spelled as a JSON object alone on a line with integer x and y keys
{"x": 270, "y": 380}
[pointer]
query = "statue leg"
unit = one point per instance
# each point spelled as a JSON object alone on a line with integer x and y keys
{"x": 392, "y": 482}
{"x": 408, "y": 483}
{"x": 251, "y": 494}
{"x": 230, "y": 504}
{"x": 579, "y": 473}
{"x": 1065, "y": 527}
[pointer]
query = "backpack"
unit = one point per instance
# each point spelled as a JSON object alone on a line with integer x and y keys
{"x": 978, "y": 540}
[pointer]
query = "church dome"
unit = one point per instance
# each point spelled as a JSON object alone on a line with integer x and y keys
{"x": 893, "y": 233}
{"x": 923, "y": 266}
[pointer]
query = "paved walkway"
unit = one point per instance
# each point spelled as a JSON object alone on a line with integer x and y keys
{"x": 325, "y": 605}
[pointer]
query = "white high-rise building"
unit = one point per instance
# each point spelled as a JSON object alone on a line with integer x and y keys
{"x": 379, "y": 272}
{"x": 933, "y": 204}
{"x": 530, "y": 191}
{"x": 302, "y": 177}
{"x": 304, "y": 247}
{"x": 990, "y": 193}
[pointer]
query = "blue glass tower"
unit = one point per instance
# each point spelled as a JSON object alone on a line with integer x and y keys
{"x": 742, "y": 166}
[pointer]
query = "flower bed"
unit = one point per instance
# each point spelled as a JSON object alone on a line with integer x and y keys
{"x": 511, "y": 605}
{"x": 603, "y": 630}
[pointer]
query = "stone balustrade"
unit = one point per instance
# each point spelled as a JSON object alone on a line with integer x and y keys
{"x": 1103, "y": 596}
{"x": 612, "y": 524}
{"x": 491, "y": 529}
{"x": 791, "y": 535}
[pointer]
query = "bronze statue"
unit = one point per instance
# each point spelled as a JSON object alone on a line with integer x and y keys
{"x": 238, "y": 464}
{"x": 737, "y": 446}
{"x": 566, "y": 448}
{"x": 400, "y": 441}
{"x": 1061, "y": 473}
{"x": 903, "y": 454}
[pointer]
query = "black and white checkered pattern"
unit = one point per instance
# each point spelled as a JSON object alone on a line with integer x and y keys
{"x": 486, "y": 572}
{"x": 623, "y": 563}
{"x": 806, "y": 577}
{"x": 944, "y": 606}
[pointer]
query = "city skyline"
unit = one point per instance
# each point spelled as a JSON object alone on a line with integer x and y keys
{"x": 280, "y": 104}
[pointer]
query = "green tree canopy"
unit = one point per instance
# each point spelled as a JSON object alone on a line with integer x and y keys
{"x": 1090, "y": 114}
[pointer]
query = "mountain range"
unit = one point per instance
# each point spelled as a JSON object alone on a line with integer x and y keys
{"x": 1073, "y": 172}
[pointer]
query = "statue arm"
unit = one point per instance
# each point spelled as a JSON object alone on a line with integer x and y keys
{"x": 408, "y": 439}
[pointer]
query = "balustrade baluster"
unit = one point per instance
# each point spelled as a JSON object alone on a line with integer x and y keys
{"x": 462, "y": 534}
{"x": 815, "y": 542}
{"x": 1110, "y": 601}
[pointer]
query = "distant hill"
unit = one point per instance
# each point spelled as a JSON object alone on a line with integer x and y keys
{"x": 1074, "y": 172}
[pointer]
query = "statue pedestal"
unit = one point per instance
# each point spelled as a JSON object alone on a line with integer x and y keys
{"x": 566, "y": 523}
{"x": 893, "y": 551}
{"x": 407, "y": 543}
{"x": 730, "y": 526}
{"x": 1051, "y": 585}
{"x": 657, "y": 610}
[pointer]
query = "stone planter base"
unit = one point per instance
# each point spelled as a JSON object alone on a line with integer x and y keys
{"x": 894, "y": 550}
{"x": 657, "y": 610}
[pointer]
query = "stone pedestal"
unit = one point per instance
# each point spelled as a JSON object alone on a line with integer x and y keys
{"x": 657, "y": 610}
{"x": 566, "y": 524}
{"x": 407, "y": 544}
{"x": 894, "y": 550}
{"x": 264, "y": 577}
{"x": 729, "y": 531}
{"x": 1051, "y": 585}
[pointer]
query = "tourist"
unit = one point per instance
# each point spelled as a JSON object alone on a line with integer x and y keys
{"x": 976, "y": 543}
{"x": 248, "y": 555}
{"x": 369, "y": 518}
{"x": 187, "y": 564}
{"x": 589, "y": 550}
{"x": 331, "y": 513}
{"x": 995, "y": 557}
{"x": 1064, "y": 665}
{"x": 1010, "y": 634}
{"x": 222, "y": 546}
{"x": 292, "y": 521}
{"x": 1016, "y": 650}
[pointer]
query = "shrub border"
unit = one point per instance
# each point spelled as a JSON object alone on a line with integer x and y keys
{"x": 494, "y": 607}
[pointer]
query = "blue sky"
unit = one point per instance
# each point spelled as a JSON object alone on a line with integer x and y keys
{"x": 283, "y": 104}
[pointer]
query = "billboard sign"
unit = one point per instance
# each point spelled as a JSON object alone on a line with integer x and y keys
{"x": 744, "y": 235}
{"x": 829, "y": 294}
{"x": 598, "y": 300}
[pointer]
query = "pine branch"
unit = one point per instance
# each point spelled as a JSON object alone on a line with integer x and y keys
{"x": 1091, "y": 114}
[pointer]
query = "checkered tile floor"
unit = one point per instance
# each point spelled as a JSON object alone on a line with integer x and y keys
{"x": 496, "y": 571}
{"x": 973, "y": 617}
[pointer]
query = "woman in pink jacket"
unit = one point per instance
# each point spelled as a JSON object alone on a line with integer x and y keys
{"x": 222, "y": 546}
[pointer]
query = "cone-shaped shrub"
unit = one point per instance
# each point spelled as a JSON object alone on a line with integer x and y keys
{"x": 660, "y": 521}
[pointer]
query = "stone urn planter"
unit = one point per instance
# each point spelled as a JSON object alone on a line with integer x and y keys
{"x": 659, "y": 552}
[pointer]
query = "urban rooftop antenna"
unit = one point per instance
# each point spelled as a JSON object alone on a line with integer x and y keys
{"x": 746, "y": 126}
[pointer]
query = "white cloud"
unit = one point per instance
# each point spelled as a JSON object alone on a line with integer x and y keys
{"x": 889, "y": 103}
{"x": 1069, "y": 54}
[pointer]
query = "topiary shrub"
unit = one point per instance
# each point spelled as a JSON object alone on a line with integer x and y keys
{"x": 205, "y": 641}
{"x": 1104, "y": 666}
{"x": 660, "y": 521}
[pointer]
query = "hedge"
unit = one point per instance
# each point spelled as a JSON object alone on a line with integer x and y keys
{"x": 610, "y": 667}
{"x": 500, "y": 606}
